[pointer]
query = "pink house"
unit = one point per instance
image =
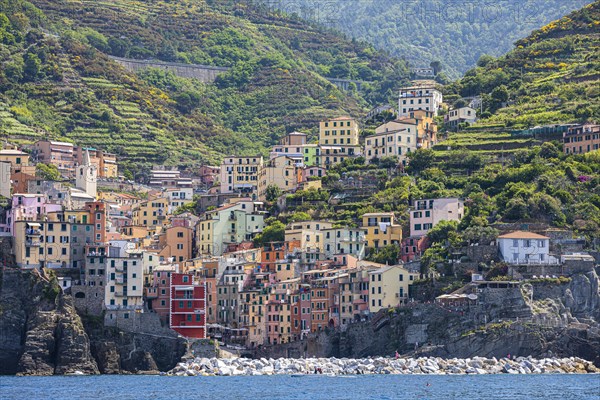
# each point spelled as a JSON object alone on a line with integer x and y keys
{"x": 28, "y": 207}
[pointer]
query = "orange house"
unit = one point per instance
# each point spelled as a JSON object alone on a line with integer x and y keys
{"x": 274, "y": 251}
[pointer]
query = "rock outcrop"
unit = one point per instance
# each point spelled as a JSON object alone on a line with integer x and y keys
{"x": 41, "y": 331}
{"x": 118, "y": 352}
{"x": 42, "y": 334}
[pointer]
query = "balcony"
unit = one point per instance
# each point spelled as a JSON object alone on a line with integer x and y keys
{"x": 120, "y": 280}
{"x": 32, "y": 232}
{"x": 33, "y": 243}
{"x": 120, "y": 294}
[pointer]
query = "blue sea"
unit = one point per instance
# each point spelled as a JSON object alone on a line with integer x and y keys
{"x": 124, "y": 387}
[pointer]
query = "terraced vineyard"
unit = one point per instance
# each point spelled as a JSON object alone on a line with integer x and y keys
{"x": 77, "y": 93}
{"x": 552, "y": 76}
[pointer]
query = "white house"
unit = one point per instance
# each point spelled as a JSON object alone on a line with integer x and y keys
{"x": 422, "y": 96}
{"x": 428, "y": 213}
{"x": 525, "y": 248}
{"x": 460, "y": 115}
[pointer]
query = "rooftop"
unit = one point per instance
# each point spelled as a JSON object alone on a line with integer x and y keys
{"x": 10, "y": 152}
{"x": 522, "y": 235}
{"x": 343, "y": 118}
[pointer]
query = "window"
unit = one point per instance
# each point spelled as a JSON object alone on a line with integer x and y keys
{"x": 541, "y": 244}
{"x": 179, "y": 234}
{"x": 401, "y": 277}
{"x": 515, "y": 243}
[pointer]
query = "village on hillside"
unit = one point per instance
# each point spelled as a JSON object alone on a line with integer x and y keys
{"x": 204, "y": 254}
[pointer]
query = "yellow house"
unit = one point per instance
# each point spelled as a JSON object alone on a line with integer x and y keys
{"x": 240, "y": 174}
{"x": 50, "y": 244}
{"x": 16, "y": 158}
{"x": 338, "y": 140}
{"x": 381, "y": 229}
{"x": 388, "y": 287}
{"x": 338, "y": 131}
{"x": 254, "y": 317}
{"x": 151, "y": 213}
{"x": 286, "y": 269}
{"x": 282, "y": 171}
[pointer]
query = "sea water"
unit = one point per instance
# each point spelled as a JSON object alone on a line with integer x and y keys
{"x": 312, "y": 387}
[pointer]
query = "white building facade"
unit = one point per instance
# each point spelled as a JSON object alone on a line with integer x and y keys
{"x": 428, "y": 213}
{"x": 525, "y": 248}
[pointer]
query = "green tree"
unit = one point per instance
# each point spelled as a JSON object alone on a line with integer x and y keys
{"x": 48, "y": 172}
{"x": 485, "y": 60}
{"x": 32, "y": 66}
{"x": 437, "y": 66}
{"x": 385, "y": 255}
{"x": 443, "y": 231}
{"x": 273, "y": 192}
{"x": 299, "y": 216}
{"x": 274, "y": 232}
{"x": 420, "y": 160}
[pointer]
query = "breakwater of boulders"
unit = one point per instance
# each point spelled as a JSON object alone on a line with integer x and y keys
{"x": 380, "y": 365}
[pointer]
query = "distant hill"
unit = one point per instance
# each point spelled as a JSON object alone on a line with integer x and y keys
{"x": 551, "y": 76}
{"x": 421, "y": 31}
{"x": 57, "y": 80}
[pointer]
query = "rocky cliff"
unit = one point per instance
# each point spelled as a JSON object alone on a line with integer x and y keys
{"x": 42, "y": 334}
{"x": 40, "y": 331}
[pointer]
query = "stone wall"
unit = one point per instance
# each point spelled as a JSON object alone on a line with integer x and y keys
{"x": 569, "y": 267}
{"x": 130, "y": 320}
{"x": 204, "y": 73}
{"x": 482, "y": 253}
{"x": 317, "y": 345}
{"x": 88, "y": 299}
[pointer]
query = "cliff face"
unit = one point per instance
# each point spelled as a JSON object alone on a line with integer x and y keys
{"x": 118, "y": 352}
{"x": 42, "y": 334}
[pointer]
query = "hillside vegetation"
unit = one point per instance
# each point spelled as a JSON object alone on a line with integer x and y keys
{"x": 551, "y": 76}
{"x": 57, "y": 80}
{"x": 454, "y": 33}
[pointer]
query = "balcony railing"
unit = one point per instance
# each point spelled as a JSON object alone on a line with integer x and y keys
{"x": 33, "y": 243}
{"x": 32, "y": 232}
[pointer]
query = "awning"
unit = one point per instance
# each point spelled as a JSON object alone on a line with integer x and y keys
{"x": 184, "y": 287}
{"x": 34, "y": 224}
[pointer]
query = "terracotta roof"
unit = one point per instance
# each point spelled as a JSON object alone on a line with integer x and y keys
{"x": 340, "y": 118}
{"x": 522, "y": 235}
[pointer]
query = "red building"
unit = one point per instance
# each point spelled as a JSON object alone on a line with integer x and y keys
{"x": 413, "y": 247}
{"x": 98, "y": 215}
{"x": 159, "y": 293}
{"x": 188, "y": 306}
